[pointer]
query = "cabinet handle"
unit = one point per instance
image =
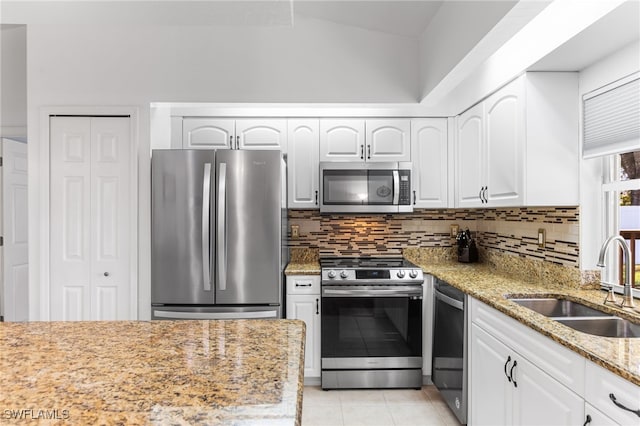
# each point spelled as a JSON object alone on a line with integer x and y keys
{"x": 317, "y": 306}
{"x": 303, "y": 285}
{"x": 613, "y": 399}
{"x": 316, "y": 197}
{"x": 237, "y": 142}
{"x": 230, "y": 141}
{"x": 369, "y": 152}
{"x": 587, "y": 421}
{"x": 506, "y": 364}
{"x": 480, "y": 194}
{"x": 362, "y": 152}
{"x": 484, "y": 194}
{"x": 414, "y": 197}
{"x": 513, "y": 379}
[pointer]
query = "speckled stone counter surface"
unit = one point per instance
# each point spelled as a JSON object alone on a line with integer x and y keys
{"x": 153, "y": 372}
{"x": 619, "y": 355}
{"x": 303, "y": 262}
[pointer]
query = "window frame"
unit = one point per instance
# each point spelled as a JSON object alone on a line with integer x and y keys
{"x": 610, "y": 192}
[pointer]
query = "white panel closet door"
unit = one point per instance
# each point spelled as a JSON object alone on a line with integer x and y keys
{"x": 110, "y": 218}
{"x": 89, "y": 252}
{"x": 14, "y": 223}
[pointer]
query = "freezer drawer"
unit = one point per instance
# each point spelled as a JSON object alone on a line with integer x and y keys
{"x": 214, "y": 312}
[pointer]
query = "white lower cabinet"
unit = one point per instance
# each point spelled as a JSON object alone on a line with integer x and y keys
{"x": 303, "y": 303}
{"x": 617, "y": 400}
{"x": 506, "y": 387}
{"x": 595, "y": 417}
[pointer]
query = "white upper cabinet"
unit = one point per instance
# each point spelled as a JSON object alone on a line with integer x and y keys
{"x": 388, "y": 140}
{"x": 261, "y": 134}
{"x": 342, "y": 139}
{"x": 519, "y": 147}
{"x": 207, "y": 133}
{"x": 430, "y": 162}
{"x": 303, "y": 146}
{"x": 220, "y": 133}
{"x": 470, "y": 164}
{"x": 365, "y": 140}
{"x": 504, "y": 143}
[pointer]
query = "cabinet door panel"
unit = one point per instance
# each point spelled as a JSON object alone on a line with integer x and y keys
{"x": 261, "y": 134}
{"x": 505, "y": 134}
{"x": 342, "y": 139}
{"x": 538, "y": 399}
{"x": 429, "y": 158}
{"x": 303, "y": 141}
{"x": 388, "y": 140}
{"x": 490, "y": 391}
{"x": 307, "y": 309}
{"x": 207, "y": 133}
{"x": 469, "y": 154}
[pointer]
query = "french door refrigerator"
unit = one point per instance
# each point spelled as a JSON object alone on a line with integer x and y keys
{"x": 216, "y": 234}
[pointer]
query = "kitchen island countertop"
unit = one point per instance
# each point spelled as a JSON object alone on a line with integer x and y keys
{"x": 153, "y": 372}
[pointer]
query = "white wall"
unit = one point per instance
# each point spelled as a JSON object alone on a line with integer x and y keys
{"x": 622, "y": 63}
{"x": 13, "y": 80}
{"x": 135, "y": 65}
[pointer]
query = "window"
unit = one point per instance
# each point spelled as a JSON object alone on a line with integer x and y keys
{"x": 622, "y": 211}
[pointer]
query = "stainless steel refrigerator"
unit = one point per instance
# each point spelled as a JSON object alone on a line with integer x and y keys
{"x": 216, "y": 234}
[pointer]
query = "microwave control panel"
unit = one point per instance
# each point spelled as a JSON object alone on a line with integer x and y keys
{"x": 405, "y": 187}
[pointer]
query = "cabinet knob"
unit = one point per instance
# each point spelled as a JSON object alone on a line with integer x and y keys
{"x": 106, "y": 274}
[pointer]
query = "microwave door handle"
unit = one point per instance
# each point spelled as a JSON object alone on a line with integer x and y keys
{"x": 396, "y": 187}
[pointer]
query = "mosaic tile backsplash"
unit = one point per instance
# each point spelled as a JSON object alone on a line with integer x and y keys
{"x": 507, "y": 231}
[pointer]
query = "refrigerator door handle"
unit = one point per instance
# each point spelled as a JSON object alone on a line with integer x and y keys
{"x": 214, "y": 315}
{"x": 222, "y": 225}
{"x": 206, "y": 213}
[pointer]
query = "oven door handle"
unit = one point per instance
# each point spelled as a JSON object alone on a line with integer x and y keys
{"x": 449, "y": 300}
{"x": 372, "y": 293}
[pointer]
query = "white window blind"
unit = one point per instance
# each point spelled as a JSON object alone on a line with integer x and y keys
{"x": 612, "y": 118}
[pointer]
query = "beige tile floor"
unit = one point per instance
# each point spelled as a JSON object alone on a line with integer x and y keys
{"x": 401, "y": 407}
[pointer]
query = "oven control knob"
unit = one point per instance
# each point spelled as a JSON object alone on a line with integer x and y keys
{"x": 413, "y": 273}
{"x": 343, "y": 274}
{"x": 331, "y": 274}
{"x": 400, "y": 274}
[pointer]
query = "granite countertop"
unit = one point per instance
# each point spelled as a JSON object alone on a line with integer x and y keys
{"x": 160, "y": 372}
{"x": 619, "y": 355}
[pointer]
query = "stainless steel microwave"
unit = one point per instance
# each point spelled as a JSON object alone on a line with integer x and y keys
{"x": 360, "y": 187}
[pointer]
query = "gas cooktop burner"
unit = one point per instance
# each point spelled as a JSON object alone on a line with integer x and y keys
{"x": 365, "y": 262}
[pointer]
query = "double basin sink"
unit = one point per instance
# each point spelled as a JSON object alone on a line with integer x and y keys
{"x": 581, "y": 317}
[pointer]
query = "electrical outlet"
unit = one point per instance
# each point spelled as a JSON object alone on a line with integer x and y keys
{"x": 295, "y": 232}
{"x": 454, "y": 230}
{"x": 542, "y": 237}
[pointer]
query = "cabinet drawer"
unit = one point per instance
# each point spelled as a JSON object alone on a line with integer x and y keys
{"x": 600, "y": 383}
{"x": 559, "y": 362}
{"x": 303, "y": 284}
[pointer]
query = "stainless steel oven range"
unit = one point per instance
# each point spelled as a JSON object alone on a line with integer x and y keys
{"x": 371, "y": 323}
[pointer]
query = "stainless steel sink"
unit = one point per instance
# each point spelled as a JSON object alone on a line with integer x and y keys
{"x": 559, "y": 308}
{"x": 605, "y": 327}
{"x": 581, "y": 317}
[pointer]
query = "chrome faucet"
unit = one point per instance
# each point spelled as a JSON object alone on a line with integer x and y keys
{"x": 627, "y": 300}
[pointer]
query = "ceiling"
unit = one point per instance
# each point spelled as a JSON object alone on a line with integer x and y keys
{"x": 614, "y": 31}
{"x": 403, "y": 18}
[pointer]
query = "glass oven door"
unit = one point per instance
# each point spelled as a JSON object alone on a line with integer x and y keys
{"x": 371, "y": 322}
